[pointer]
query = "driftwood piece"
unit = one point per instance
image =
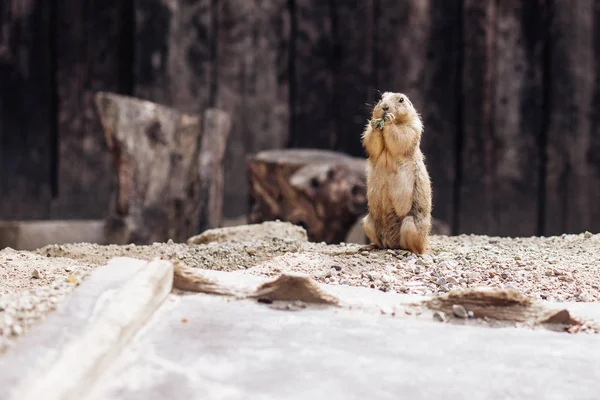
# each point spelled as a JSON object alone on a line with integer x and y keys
{"x": 158, "y": 154}
{"x": 322, "y": 191}
{"x": 502, "y": 305}
{"x": 286, "y": 287}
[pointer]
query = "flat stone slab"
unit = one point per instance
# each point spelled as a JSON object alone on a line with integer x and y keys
{"x": 203, "y": 346}
{"x": 39, "y": 349}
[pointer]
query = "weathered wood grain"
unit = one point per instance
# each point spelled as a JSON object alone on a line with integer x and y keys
{"x": 313, "y": 118}
{"x": 353, "y": 30}
{"x": 323, "y": 191}
{"x": 26, "y": 109}
{"x": 216, "y": 126}
{"x": 252, "y": 86}
{"x": 92, "y": 53}
{"x": 477, "y": 170}
{"x": 593, "y": 154}
{"x": 418, "y": 52}
{"x": 155, "y": 149}
{"x": 502, "y": 117}
{"x": 173, "y": 62}
{"x": 570, "y": 179}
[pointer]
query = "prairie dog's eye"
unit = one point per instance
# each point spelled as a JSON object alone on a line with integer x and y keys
{"x": 401, "y": 100}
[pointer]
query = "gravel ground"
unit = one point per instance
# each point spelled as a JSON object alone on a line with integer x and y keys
{"x": 564, "y": 268}
{"x": 30, "y": 287}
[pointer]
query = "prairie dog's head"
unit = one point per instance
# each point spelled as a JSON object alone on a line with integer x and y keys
{"x": 395, "y": 107}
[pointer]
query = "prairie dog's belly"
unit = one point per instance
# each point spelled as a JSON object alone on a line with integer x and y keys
{"x": 379, "y": 194}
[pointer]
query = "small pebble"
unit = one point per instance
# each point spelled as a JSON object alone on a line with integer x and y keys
{"x": 337, "y": 267}
{"x": 460, "y": 311}
{"x": 585, "y": 297}
{"x": 441, "y": 281}
{"x": 452, "y": 280}
{"x": 588, "y": 235}
{"x": 439, "y": 316}
{"x": 36, "y": 274}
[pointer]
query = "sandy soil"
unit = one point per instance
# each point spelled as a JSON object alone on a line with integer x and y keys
{"x": 564, "y": 268}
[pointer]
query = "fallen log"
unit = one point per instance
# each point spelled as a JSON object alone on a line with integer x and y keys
{"x": 322, "y": 191}
{"x": 169, "y": 168}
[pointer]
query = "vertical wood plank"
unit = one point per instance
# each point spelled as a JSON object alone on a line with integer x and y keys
{"x": 174, "y": 58}
{"x": 417, "y": 53}
{"x": 518, "y": 116}
{"x": 353, "y": 86}
{"x": 313, "y": 117}
{"x": 252, "y": 86}
{"x": 26, "y": 96}
{"x": 502, "y": 116}
{"x": 93, "y": 54}
{"x": 477, "y": 173}
{"x": 593, "y": 154}
{"x": 440, "y": 112}
{"x": 570, "y": 179}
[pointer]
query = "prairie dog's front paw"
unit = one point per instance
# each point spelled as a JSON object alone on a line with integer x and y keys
{"x": 378, "y": 123}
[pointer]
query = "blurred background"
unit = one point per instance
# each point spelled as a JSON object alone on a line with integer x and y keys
{"x": 508, "y": 90}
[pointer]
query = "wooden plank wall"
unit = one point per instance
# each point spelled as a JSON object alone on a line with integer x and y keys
{"x": 509, "y": 91}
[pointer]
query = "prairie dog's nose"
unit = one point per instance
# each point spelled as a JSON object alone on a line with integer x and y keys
{"x": 385, "y": 107}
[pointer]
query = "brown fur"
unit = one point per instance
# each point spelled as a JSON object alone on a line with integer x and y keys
{"x": 398, "y": 185}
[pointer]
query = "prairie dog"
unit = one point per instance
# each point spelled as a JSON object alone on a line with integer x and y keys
{"x": 398, "y": 185}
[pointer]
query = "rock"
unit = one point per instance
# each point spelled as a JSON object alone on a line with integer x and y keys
{"x": 372, "y": 276}
{"x": 266, "y": 231}
{"x": 459, "y": 311}
{"x": 585, "y": 297}
{"x": 449, "y": 264}
{"x": 473, "y": 275}
{"x": 439, "y": 316}
{"x": 441, "y": 281}
{"x": 560, "y": 317}
{"x": 588, "y": 235}
{"x": 36, "y": 274}
{"x": 337, "y": 267}
{"x": 17, "y": 330}
{"x": 386, "y": 279}
{"x": 452, "y": 280}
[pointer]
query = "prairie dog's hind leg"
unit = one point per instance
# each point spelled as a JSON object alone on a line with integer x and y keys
{"x": 414, "y": 234}
{"x": 369, "y": 228}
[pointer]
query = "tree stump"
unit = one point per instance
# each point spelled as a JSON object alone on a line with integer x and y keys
{"x": 323, "y": 191}
{"x": 169, "y": 169}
